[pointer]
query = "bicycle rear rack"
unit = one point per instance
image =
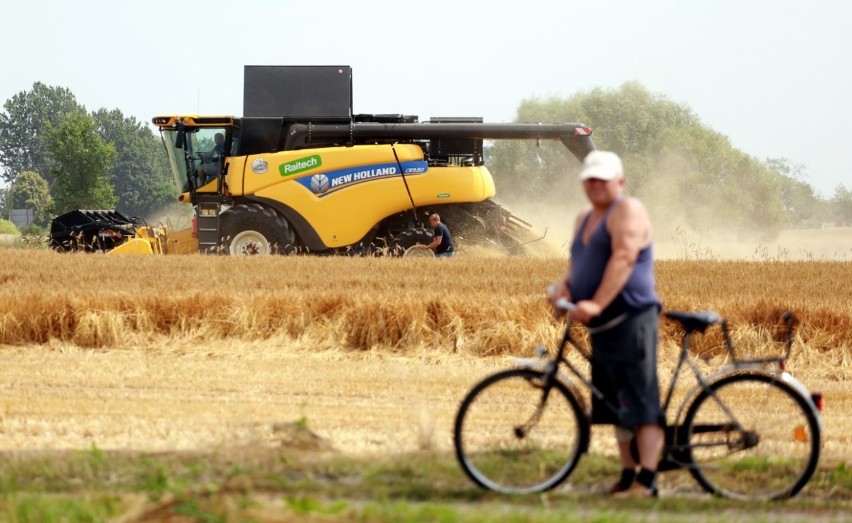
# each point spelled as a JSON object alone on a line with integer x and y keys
{"x": 783, "y": 333}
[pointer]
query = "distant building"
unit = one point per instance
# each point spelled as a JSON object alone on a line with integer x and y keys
{"x": 22, "y": 217}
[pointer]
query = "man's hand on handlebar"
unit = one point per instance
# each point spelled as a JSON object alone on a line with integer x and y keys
{"x": 558, "y": 290}
{"x": 585, "y": 310}
{"x": 560, "y": 299}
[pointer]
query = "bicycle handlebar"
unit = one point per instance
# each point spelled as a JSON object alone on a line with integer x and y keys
{"x": 560, "y": 306}
{"x": 564, "y": 305}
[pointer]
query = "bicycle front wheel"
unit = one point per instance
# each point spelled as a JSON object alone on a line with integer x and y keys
{"x": 509, "y": 441}
{"x": 752, "y": 437}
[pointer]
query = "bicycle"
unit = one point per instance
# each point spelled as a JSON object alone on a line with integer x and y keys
{"x": 747, "y": 431}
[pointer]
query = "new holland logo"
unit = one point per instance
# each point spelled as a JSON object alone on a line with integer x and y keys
{"x": 319, "y": 183}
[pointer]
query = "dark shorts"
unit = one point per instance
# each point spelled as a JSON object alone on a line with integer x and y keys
{"x": 624, "y": 369}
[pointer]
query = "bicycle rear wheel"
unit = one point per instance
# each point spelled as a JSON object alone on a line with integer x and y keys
{"x": 506, "y": 443}
{"x": 775, "y": 453}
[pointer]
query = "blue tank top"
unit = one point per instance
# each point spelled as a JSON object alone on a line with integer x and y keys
{"x": 587, "y": 268}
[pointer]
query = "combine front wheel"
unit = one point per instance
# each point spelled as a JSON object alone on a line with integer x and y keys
{"x": 255, "y": 230}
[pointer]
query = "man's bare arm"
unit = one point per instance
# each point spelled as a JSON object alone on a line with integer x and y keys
{"x": 435, "y": 242}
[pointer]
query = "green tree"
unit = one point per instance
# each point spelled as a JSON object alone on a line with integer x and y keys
{"x": 31, "y": 191}
{"x": 841, "y": 205}
{"x": 7, "y": 227}
{"x": 81, "y": 160}
{"x": 687, "y": 173}
{"x": 23, "y": 126}
{"x": 140, "y": 173}
{"x": 802, "y": 205}
{"x": 629, "y": 121}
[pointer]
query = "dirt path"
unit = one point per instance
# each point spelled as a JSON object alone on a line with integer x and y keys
{"x": 187, "y": 399}
{"x": 216, "y": 396}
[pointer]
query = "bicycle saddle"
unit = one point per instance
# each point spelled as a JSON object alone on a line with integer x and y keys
{"x": 694, "y": 321}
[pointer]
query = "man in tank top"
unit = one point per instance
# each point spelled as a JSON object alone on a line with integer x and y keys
{"x": 610, "y": 278}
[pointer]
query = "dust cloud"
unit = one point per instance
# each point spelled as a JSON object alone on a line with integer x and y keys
{"x": 174, "y": 217}
{"x": 676, "y": 240}
{"x": 552, "y": 226}
{"x": 690, "y": 222}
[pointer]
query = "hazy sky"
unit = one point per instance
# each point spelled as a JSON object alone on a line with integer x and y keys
{"x": 775, "y": 76}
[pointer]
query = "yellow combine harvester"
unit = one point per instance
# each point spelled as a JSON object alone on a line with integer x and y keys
{"x": 300, "y": 173}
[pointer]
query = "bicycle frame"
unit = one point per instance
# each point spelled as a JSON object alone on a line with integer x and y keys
{"x": 748, "y": 430}
{"x": 676, "y": 449}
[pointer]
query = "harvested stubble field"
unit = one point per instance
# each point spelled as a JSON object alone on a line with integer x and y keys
{"x": 367, "y": 357}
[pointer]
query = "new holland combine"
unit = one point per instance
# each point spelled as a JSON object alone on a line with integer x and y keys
{"x": 300, "y": 173}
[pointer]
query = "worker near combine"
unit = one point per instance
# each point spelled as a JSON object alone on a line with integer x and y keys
{"x": 611, "y": 281}
{"x": 442, "y": 240}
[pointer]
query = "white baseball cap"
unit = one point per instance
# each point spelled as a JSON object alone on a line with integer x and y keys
{"x": 602, "y": 165}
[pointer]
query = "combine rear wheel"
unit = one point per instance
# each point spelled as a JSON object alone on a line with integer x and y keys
{"x": 254, "y": 230}
{"x": 403, "y": 244}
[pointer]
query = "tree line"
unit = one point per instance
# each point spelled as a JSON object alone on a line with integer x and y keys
{"x": 56, "y": 156}
{"x": 689, "y": 174}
